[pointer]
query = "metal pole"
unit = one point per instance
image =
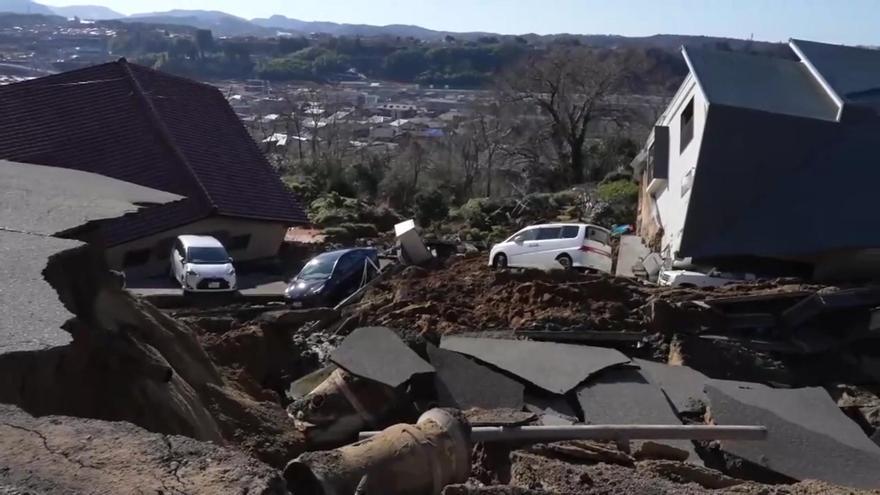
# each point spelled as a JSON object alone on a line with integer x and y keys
{"x": 611, "y": 432}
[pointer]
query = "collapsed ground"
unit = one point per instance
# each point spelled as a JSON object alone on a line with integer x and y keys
{"x": 258, "y": 350}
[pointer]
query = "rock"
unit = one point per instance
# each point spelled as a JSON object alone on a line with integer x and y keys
{"x": 59, "y": 454}
{"x": 682, "y": 472}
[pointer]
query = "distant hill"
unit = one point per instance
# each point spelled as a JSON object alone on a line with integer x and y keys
{"x": 90, "y": 12}
{"x": 24, "y": 7}
{"x": 402, "y": 30}
{"x": 221, "y": 23}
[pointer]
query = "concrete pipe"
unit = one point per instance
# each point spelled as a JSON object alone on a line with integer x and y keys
{"x": 403, "y": 459}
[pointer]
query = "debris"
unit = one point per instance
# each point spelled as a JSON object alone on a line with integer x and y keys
{"x": 293, "y": 318}
{"x": 624, "y": 397}
{"x": 499, "y": 417}
{"x": 578, "y": 336}
{"x": 340, "y": 406}
{"x": 808, "y": 437}
{"x": 464, "y": 384}
{"x": 412, "y": 249}
{"x": 402, "y": 459}
{"x": 378, "y": 354}
{"x": 586, "y": 450}
{"x": 684, "y": 472}
{"x": 461, "y": 294}
{"x": 682, "y": 385}
{"x": 304, "y": 385}
{"x": 553, "y": 410}
{"x": 830, "y": 300}
{"x": 556, "y": 368}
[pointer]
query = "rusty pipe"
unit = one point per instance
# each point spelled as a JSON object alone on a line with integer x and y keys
{"x": 402, "y": 459}
{"x": 611, "y": 432}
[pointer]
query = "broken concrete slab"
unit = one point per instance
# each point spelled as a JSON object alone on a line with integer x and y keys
{"x": 60, "y": 454}
{"x": 36, "y": 203}
{"x": 681, "y": 384}
{"x": 551, "y": 410}
{"x": 31, "y": 314}
{"x": 50, "y": 200}
{"x": 556, "y": 368}
{"x": 808, "y": 437}
{"x": 378, "y": 354}
{"x": 630, "y": 253}
{"x": 462, "y": 383}
{"x": 625, "y": 397}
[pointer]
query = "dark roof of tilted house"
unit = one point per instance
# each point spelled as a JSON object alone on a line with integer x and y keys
{"x": 775, "y": 182}
{"x": 149, "y": 128}
{"x": 760, "y": 82}
{"x": 849, "y": 70}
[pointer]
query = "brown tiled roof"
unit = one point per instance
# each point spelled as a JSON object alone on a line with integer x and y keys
{"x": 143, "y": 126}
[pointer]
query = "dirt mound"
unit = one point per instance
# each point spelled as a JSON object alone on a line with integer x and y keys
{"x": 59, "y": 454}
{"x": 464, "y": 294}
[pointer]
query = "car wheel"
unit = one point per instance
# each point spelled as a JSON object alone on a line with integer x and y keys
{"x": 499, "y": 262}
{"x": 565, "y": 261}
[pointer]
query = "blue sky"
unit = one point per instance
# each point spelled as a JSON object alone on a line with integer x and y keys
{"x": 835, "y": 21}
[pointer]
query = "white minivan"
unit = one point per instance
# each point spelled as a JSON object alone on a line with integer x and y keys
{"x": 555, "y": 245}
{"x": 200, "y": 263}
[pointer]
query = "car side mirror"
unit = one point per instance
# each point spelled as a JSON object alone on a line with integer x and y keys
{"x": 518, "y": 239}
{"x": 230, "y": 259}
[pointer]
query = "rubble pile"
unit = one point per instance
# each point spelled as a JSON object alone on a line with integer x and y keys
{"x": 464, "y": 295}
{"x": 517, "y": 383}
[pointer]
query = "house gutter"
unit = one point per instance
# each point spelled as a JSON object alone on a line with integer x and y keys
{"x": 818, "y": 77}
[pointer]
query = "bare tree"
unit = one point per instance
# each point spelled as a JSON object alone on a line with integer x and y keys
{"x": 568, "y": 86}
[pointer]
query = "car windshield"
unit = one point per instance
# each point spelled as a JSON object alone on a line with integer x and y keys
{"x": 207, "y": 255}
{"x": 319, "y": 268}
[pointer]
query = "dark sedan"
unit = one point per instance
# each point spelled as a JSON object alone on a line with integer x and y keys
{"x": 330, "y": 277}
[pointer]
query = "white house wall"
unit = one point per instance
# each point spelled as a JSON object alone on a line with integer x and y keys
{"x": 671, "y": 204}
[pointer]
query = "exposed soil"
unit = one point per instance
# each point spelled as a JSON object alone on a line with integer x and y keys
{"x": 55, "y": 454}
{"x": 464, "y": 294}
{"x": 559, "y": 476}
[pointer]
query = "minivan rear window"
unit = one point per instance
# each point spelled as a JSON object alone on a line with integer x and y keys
{"x": 597, "y": 235}
{"x": 547, "y": 233}
{"x": 570, "y": 231}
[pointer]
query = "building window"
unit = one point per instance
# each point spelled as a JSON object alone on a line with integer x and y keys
{"x": 687, "y": 181}
{"x": 687, "y": 125}
{"x": 136, "y": 257}
{"x": 238, "y": 242}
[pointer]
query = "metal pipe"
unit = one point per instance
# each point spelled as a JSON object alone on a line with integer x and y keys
{"x": 611, "y": 432}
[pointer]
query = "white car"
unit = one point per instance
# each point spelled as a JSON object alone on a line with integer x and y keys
{"x": 555, "y": 245}
{"x": 200, "y": 263}
{"x": 687, "y": 278}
